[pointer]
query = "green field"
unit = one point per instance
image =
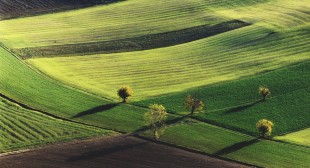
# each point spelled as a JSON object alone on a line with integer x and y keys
{"x": 232, "y": 145}
{"x": 29, "y": 87}
{"x": 220, "y": 51}
{"x": 22, "y": 128}
{"x": 236, "y": 105}
{"x": 172, "y": 69}
{"x": 299, "y": 137}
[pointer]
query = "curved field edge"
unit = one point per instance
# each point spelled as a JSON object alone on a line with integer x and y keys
{"x": 134, "y": 18}
{"x": 236, "y": 104}
{"x": 21, "y": 128}
{"x": 21, "y": 83}
{"x": 145, "y": 42}
{"x": 227, "y": 56}
{"x": 22, "y": 8}
{"x": 298, "y": 137}
{"x": 102, "y": 115}
{"x": 227, "y": 144}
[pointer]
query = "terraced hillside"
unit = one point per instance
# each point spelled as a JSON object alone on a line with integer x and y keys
{"x": 11, "y": 9}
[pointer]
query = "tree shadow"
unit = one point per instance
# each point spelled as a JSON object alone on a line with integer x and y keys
{"x": 167, "y": 123}
{"x": 97, "y": 109}
{"x": 104, "y": 151}
{"x": 236, "y": 147}
{"x": 242, "y": 107}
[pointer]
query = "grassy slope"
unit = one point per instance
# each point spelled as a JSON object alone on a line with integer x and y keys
{"x": 233, "y": 104}
{"x": 23, "y": 84}
{"x": 102, "y": 23}
{"x": 231, "y": 55}
{"x": 299, "y": 137}
{"x": 21, "y": 128}
{"x": 224, "y": 143}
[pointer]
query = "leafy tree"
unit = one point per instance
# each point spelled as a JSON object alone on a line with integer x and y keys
{"x": 194, "y": 104}
{"x": 264, "y": 91}
{"x": 125, "y": 92}
{"x": 155, "y": 118}
{"x": 264, "y": 127}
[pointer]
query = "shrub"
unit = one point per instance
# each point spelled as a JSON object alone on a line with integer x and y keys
{"x": 264, "y": 91}
{"x": 194, "y": 104}
{"x": 125, "y": 92}
{"x": 264, "y": 127}
{"x": 155, "y": 118}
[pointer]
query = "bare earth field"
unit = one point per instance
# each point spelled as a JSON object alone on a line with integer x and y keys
{"x": 124, "y": 151}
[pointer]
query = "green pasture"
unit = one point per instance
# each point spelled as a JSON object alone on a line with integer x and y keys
{"x": 227, "y": 56}
{"x": 236, "y": 104}
{"x": 22, "y": 128}
{"x": 23, "y": 84}
{"x": 228, "y": 144}
{"x": 299, "y": 137}
{"x": 133, "y": 18}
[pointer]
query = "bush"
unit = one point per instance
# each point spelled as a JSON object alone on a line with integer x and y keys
{"x": 155, "y": 118}
{"x": 193, "y": 103}
{"x": 264, "y": 127}
{"x": 125, "y": 92}
{"x": 264, "y": 91}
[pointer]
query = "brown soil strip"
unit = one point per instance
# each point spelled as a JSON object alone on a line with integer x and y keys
{"x": 122, "y": 151}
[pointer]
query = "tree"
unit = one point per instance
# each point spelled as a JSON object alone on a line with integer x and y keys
{"x": 264, "y": 127}
{"x": 125, "y": 92}
{"x": 193, "y": 103}
{"x": 264, "y": 91}
{"x": 155, "y": 118}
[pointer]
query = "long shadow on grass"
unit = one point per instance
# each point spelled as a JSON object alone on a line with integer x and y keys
{"x": 104, "y": 151}
{"x": 243, "y": 107}
{"x": 236, "y": 147}
{"x": 168, "y": 122}
{"x": 97, "y": 109}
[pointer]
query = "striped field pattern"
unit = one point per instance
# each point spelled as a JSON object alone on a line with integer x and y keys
{"x": 231, "y": 55}
{"x": 20, "y": 128}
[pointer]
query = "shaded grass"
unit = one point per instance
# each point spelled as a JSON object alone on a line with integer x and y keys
{"x": 226, "y": 56}
{"x": 273, "y": 154}
{"x": 211, "y": 139}
{"x": 25, "y": 85}
{"x": 21, "y": 128}
{"x": 235, "y": 104}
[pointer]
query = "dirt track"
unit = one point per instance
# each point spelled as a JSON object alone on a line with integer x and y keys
{"x": 129, "y": 152}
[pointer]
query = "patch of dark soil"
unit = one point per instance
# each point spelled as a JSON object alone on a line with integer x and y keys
{"x": 20, "y": 8}
{"x": 124, "y": 151}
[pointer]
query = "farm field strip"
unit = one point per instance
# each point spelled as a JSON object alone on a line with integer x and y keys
{"x": 118, "y": 21}
{"x": 21, "y": 83}
{"x": 102, "y": 23}
{"x": 287, "y": 107}
{"x": 227, "y": 56}
{"x": 22, "y": 128}
{"x": 97, "y": 116}
{"x": 299, "y": 137}
{"x": 131, "y": 44}
{"x": 214, "y": 140}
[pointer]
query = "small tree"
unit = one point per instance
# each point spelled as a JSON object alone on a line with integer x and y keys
{"x": 125, "y": 92}
{"x": 264, "y": 91}
{"x": 155, "y": 118}
{"x": 193, "y": 104}
{"x": 264, "y": 127}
